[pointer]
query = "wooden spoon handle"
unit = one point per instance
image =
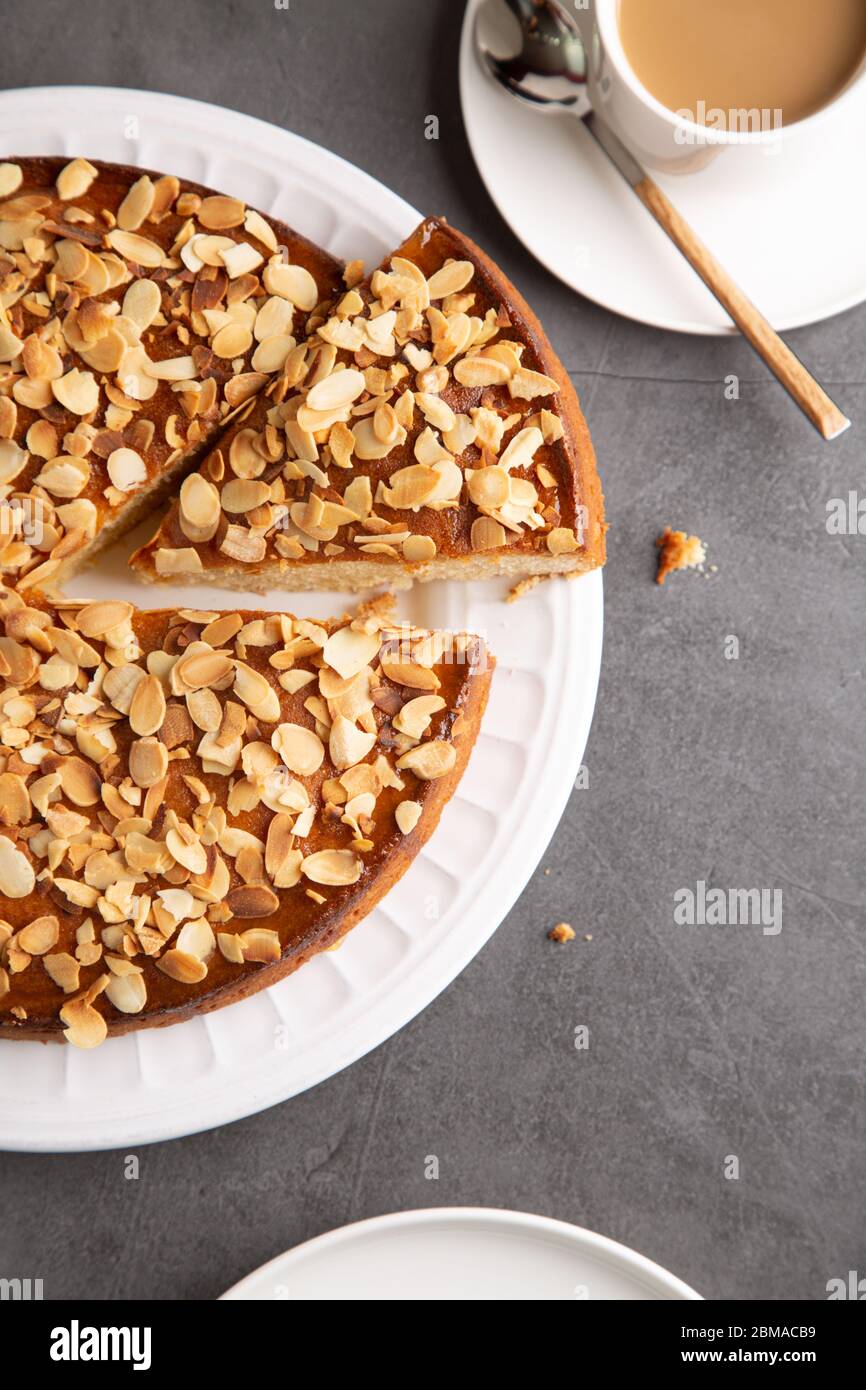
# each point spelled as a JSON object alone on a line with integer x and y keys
{"x": 810, "y": 397}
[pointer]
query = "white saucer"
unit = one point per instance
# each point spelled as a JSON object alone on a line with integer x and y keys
{"x": 163, "y": 1083}
{"x": 461, "y": 1254}
{"x": 786, "y": 221}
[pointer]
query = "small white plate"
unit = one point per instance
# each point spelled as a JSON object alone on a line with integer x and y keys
{"x": 786, "y": 221}
{"x": 163, "y": 1083}
{"x": 462, "y": 1254}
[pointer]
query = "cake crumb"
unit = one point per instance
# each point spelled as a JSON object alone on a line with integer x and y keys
{"x": 562, "y": 932}
{"x": 523, "y": 586}
{"x": 678, "y": 551}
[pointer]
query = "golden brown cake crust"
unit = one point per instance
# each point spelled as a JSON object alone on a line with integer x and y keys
{"x": 362, "y": 542}
{"x": 95, "y": 284}
{"x": 92, "y": 804}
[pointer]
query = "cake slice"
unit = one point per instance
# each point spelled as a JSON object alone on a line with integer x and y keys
{"x": 138, "y": 311}
{"x": 426, "y": 429}
{"x": 193, "y": 804}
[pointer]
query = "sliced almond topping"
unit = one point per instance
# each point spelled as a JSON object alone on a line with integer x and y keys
{"x": 126, "y": 469}
{"x": 347, "y": 743}
{"x": 414, "y": 718}
{"x": 488, "y": 487}
{"x": 219, "y": 211}
{"x": 147, "y": 710}
{"x": 411, "y": 674}
{"x": 205, "y": 710}
{"x": 300, "y": 748}
{"x": 333, "y": 867}
{"x": 142, "y": 302}
{"x": 252, "y": 900}
{"x": 128, "y": 993}
{"x": 77, "y": 391}
{"x": 521, "y": 449}
{"x": 80, "y": 781}
{"x": 232, "y": 341}
{"x": 349, "y": 651}
{"x": 561, "y": 541}
{"x": 481, "y": 371}
{"x": 10, "y": 179}
{"x": 99, "y": 619}
{"x": 417, "y": 549}
{"x": 429, "y": 760}
{"x": 487, "y": 534}
{"x": 451, "y": 278}
{"x": 17, "y": 877}
{"x": 244, "y": 495}
{"x": 75, "y": 178}
{"x": 339, "y": 389}
{"x": 85, "y": 1026}
{"x": 148, "y": 762}
{"x": 291, "y": 282}
{"x": 187, "y": 849}
{"x": 138, "y": 249}
{"x": 259, "y": 944}
{"x": 186, "y": 969}
{"x": 39, "y": 937}
{"x": 199, "y": 508}
{"x": 526, "y": 384}
{"x": 407, "y": 815}
{"x": 137, "y": 205}
{"x": 64, "y": 970}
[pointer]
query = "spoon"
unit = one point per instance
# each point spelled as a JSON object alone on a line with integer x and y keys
{"x": 548, "y": 75}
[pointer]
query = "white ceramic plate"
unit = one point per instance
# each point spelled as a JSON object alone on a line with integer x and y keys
{"x": 168, "y": 1082}
{"x": 787, "y": 222}
{"x": 461, "y": 1254}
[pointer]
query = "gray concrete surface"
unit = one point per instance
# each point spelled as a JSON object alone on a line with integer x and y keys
{"x": 705, "y": 1042}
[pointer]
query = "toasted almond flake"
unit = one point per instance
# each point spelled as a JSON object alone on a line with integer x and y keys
{"x": 142, "y": 302}
{"x": 148, "y": 761}
{"x": 232, "y": 341}
{"x": 17, "y": 877}
{"x": 487, "y": 534}
{"x": 243, "y": 545}
{"x": 257, "y": 227}
{"x": 481, "y": 371}
{"x": 80, "y": 781}
{"x": 244, "y": 495}
{"x": 187, "y": 850}
{"x": 128, "y": 993}
{"x": 197, "y": 939}
{"x": 348, "y": 651}
{"x": 429, "y": 761}
{"x": 332, "y": 867}
{"x": 300, "y": 748}
{"x": 272, "y": 352}
{"x": 85, "y": 1026}
{"x": 219, "y": 211}
{"x": 10, "y": 178}
{"x": 241, "y": 259}
{"x": 257, "y": 693}
{"x": 39, "y": 936}
{"x": 126, "y": 469}
{"x": 407, "y": 815}
{"x": 521, "y": 448}
{"x": 291, "y": 282}
{"x": 147, "y": 710}
{"x": 488, "y": 487}
{"x": 173, "y": 560}
{"x": 347, "y": 743}
{"x": 414, "y": 718}
{"x": 410, "y": 673}
{"x": 231, "y": 948}
{"x": 137, "y": 204}
{"x": 138, "y": 249}
{"x": 526, "y": 384}
{"x": 186, "y": 969}
{"x": 205, "y": 710}
{"x": 450, "y": 278}
{"x": 417, "y": 549}
{"x": 75, "y": 178}
{"x": 199, "y": 508}
{"x": 259, "y": 944}
{"x": 64, "y": 970}
{"x": 77, "y": 391}
{"x": 339, "y": 389}
{"x": 561, "y": 541}
{"x": 203, "y": 668}
{"x": 10, "y": 345}
{"x": 252, "y": 900}
{"x": 98, "y": 619}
